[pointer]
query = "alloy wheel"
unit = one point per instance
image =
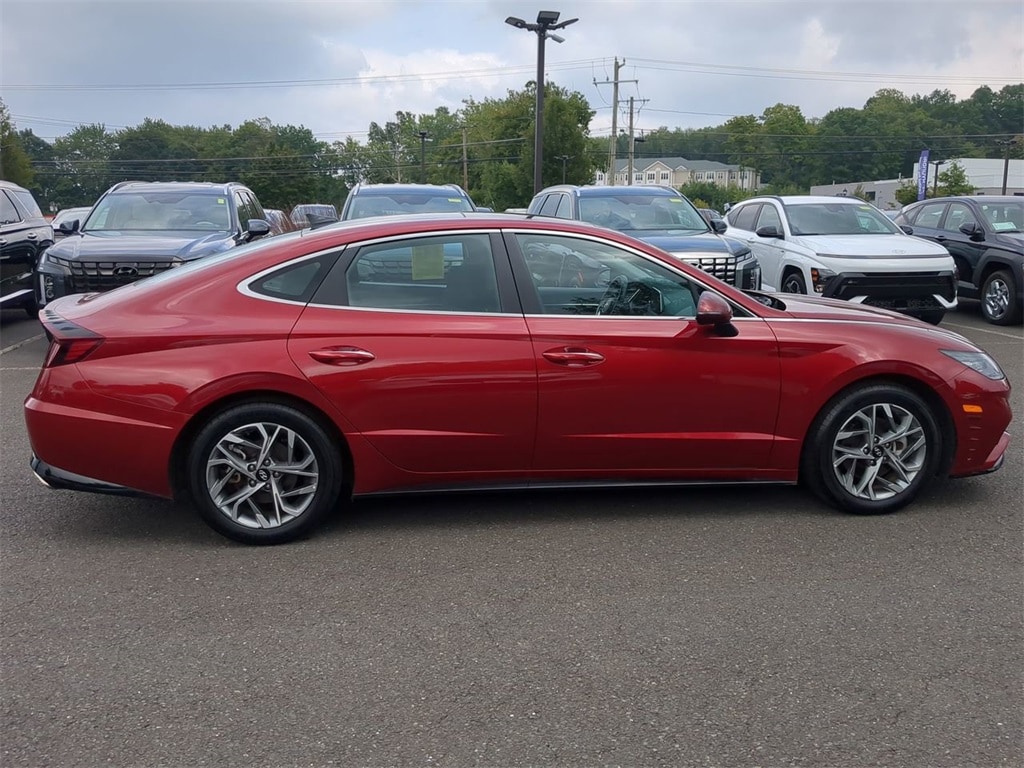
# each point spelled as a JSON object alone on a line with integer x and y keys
{"x": 878, "y": 452}
{"x": 262, "y": 475}
{"x": 996, "y": 298}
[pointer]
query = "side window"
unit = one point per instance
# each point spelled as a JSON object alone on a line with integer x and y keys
{"x": 294, "y": 282}
{"x": 958, "y": 214}
{"x": 244, "y": 214}
{"x": 550, "y": 205}
{"x": 573, "y": 276}
{"x": 8, "y": 213}
{"x": 769, "y": 217}
{"x": 930, "y": 215}
{"x": 448, "y": 273}
{"x": 29, "y": 204}
{"x": 744, "y": 216}
{"x": 564, "y": 210}
{"x": 255, "y": 209}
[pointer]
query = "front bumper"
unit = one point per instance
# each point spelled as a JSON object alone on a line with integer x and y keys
{"x": 901, "y": 292}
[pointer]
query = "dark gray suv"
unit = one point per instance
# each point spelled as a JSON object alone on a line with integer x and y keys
{"x": 24, "y": 235}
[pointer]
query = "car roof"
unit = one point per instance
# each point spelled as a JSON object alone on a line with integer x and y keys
{"x": 177, "y": 186}
{"x": 602, "y": 190}
{"x": 384, "y": 189}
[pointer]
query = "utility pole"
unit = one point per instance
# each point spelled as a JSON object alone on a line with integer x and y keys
{"x": 423, "y": 156}
{"x": 629, "y": 165}
{"x": 465, "y": 162}
{"x": 613, "y": 145}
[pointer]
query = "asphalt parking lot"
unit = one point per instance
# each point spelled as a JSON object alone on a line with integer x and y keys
{"x": 725, "y": 627}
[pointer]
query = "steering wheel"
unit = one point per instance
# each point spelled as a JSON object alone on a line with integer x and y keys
{"x": 614, "y": 295}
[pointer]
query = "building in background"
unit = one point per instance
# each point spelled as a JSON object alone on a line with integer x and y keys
{"x": 984, "y": 174}
{"x": 678, "y": 171}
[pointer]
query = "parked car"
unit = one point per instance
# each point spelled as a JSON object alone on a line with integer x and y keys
{"x": 141, "y": 228}
{"x": 66, "y": 221}
{"x": 311, "y": 383}
{"x": 710, "y": 215}
{"x": 24, "y": 235}
{"x": 985, "y": 236}
{"x": 313, "y": 214}
{"x": 365, "y": 200}
{"x": 278, "y": 221}
{"x": 844, "y": 248}
{"x": 657, "y": 215}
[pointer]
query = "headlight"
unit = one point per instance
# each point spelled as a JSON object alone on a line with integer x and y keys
{"x": 743, "y": 256}
{"x": 820, "y": 278}
{"x": 978, "y": 361}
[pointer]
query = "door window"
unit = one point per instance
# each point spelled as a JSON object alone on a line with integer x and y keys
{"x": 743, "y": 217}
{"x": 449, "y": 273}
{"x": 930, "y": 215}
{"x": 769, "y": 217}
{"x": 573, "y": 276}
{"x": 550, "y": 205}
{"x": 8, "y": 213}
{"x": 958, "y": 214}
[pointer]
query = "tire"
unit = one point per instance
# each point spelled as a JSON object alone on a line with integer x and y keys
{"x": 903, "y": 445}
{"x": 237, "y": 497}
{"x": 793, "y": 282}
{"x": 999, "y": 304}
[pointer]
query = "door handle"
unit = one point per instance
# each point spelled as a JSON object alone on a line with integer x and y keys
{"x": 30, "y": 236}
{"x": 343, "y": 356}
{"x": 573, "y": 357}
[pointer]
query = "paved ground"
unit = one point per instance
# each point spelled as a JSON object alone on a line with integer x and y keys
{"x": 707, "y": 628}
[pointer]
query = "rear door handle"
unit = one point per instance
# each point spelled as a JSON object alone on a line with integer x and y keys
{"x": 343, "y": 356}
{"x": 30, "y": 236}
{"x": 573, "y": 357}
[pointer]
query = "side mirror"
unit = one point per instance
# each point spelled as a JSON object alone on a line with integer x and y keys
{"x": 713, "y": 310}
{"x": 769, "y": 231}
{"x": 719, "y": 226}
{"x": 68, "y": 227}
{"x": 257, "y": 228}
{"x": 907, "y": 229}
{"x": 972, "y": 230}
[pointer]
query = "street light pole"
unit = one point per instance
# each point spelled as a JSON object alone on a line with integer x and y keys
{"x": 935, "y": 184}
{"x": 564, "y": 159}
{"x": 423, "y": 156}
{"x": 547, "y": 22}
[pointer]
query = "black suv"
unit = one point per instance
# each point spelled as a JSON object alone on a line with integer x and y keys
{"x": 137, "y": 229}
{"x": 396, "y": 199}
{"x": 660, "y": 216}
{"x": 985, "y": 236}
{"x": 24, "y": 235}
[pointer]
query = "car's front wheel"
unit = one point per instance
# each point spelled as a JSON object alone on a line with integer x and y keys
{"x": 999, "y": 303}
{"x": 872, "y": 449}
{"x": 793, "y": 282}
{"x": 264, "y": 473}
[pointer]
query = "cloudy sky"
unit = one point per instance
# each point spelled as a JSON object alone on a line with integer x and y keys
{"x": 335, "y": 66}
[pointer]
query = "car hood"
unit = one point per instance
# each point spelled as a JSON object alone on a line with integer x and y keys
{"x": 871, "y": 246}
{"x": 683, "y": 241}
{"x": 114, "y": 246}
{"x": 818, "y": 308}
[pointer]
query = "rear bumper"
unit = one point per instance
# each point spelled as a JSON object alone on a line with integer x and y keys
{"x": 52, "y": 477}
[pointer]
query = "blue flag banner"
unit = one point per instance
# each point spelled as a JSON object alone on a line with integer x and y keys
{"x": 922, "y": 175}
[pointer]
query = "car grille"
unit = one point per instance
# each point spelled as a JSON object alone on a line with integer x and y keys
{"x": 93, "y": 276}
{"x": 722, "y": 267}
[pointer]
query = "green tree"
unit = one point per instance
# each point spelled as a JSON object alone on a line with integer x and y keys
{"x": 14, "y": 161}
{"x": 80, "y": 172}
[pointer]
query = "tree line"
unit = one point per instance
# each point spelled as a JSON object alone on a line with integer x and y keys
{"x": 487, "y": 147}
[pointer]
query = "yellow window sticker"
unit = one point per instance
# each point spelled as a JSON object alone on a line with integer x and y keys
{"x": 220, "y": 201}
{"x": 675, "y": 199}
{"x": 454, "y": 200}
{"x": 427, "y": 262}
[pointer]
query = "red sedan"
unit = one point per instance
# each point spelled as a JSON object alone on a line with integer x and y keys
{"x": 427, "y": 353}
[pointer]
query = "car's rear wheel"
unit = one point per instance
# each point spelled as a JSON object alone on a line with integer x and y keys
{"x": 999, "y": 303}
{"x": 264, "y": 473}
{"x": 793, "y": 282}
{"x": 872, "y": 449}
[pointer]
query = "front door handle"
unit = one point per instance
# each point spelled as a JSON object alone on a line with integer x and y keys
{"x": 342, "y": 356}
{"x": 573, "y": 357}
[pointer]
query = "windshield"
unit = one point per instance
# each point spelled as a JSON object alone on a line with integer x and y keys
{"x": 641, "y": 212}
{"x": 1004, "y": 217}
{"x": 160, "y": 212}
{"x": 838, "y": 219}
{"x": 365, "y": 205}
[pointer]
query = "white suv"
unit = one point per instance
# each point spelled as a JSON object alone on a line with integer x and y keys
{"x": 844, "y": 248}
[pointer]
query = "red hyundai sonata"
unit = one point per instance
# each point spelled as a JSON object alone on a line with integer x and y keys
{"x": 426, "y": 353}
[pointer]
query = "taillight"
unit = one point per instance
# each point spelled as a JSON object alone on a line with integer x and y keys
{"x": 66, "y": 351}
{"x": 69, "y": 343}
